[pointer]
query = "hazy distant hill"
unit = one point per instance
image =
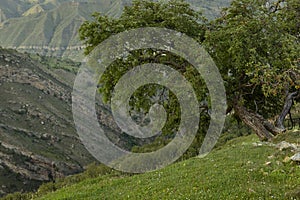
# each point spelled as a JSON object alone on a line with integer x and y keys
{"x": 50, "y": 27}
{"x": 52, "y": 31}
{"x": 17, "y": 8}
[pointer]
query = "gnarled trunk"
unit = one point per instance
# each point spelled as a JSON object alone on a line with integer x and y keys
{"x": 286, "y": 108}
{"x": 262, "y": 127}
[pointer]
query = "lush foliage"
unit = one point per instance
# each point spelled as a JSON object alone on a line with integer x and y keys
{"x": 255, "y": 44}
{"x": 174, "y": 14}
{"x": 256, "y": 47}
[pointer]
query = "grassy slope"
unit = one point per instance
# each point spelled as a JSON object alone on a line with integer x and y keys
{"x": 239, "y": 170}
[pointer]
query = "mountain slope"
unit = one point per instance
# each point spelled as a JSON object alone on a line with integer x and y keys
{"x": 51, "y": 27}
{"x": 38, "y": 140}
{"x": 54, "y": 32}
{"x": 34, "y": 10}
{"x": 13, "y": 9}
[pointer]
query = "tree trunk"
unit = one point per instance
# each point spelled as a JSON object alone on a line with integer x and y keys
{"x": 286, "y": 109}
{"x": 262, "y": 127}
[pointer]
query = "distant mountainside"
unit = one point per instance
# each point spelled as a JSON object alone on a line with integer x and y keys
{"x": 38, "y": 140}
{"x": 40, "y": 29}
{"x": 17, "y": 8}
{"x": 50, "y": 27}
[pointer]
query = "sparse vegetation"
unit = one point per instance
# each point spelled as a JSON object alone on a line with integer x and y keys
{"x": 54, "y": 63}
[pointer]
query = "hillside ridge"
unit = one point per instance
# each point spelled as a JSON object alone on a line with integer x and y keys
{"x": 38, "y": 139}
{"x": 51, "y": 27}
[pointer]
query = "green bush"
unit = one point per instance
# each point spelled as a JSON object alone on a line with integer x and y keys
{"x": 46, "y": 188}
{"x": 93, "y": 170}
{"x": 18, "y": 196}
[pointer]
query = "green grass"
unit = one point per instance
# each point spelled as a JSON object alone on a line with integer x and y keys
{"x": 238, "y": 170}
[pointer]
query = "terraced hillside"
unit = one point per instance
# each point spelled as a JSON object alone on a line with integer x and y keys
{"x": 38, "y": 141}
{"x": 18, "y": 8}
{"x": 50, "y": 27}
{"x": 55, "y": 31}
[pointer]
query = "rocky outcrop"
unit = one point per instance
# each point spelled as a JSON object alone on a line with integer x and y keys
{"x": 38, "y": 141}
{"x": 36, "y": 167}
{"x": 13, "y": 71}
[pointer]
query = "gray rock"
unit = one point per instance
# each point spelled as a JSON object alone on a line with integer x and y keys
{"x": 296, "y": 157}
{"x": 285, "y": 145}
{"x": 259, "y": 144}
{"x": 7, "y": 59}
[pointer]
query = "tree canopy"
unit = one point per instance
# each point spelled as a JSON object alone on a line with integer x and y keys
{"x": 254, "y": 43}
{"x": 257, "y": 52}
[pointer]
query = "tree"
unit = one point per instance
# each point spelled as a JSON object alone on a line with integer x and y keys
{"x": 173, "y": 14}
{"x": 255, "y": 44}
{"x": 257, "y": 52}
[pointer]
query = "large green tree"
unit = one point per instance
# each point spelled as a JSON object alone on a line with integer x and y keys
{"x": 174, "y": 14}
{"x": 255, "y": 44}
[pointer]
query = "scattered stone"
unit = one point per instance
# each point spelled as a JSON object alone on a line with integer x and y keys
{"x": 285, "y": 145}
{"x": 259, "y": 144}
{"x": 249, "y": 162}
{"x": 296, "y": 157}
{"x": 251, "y": 190}
{"x": 268, "y": 163}
{"x": 12, "y": 102}
{"x": 46, "y": 136}
{"x": 22, "y": 111}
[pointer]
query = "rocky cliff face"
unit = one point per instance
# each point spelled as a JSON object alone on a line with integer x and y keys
{"x": 38, "y": 140}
